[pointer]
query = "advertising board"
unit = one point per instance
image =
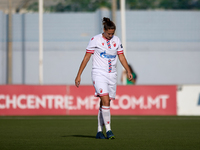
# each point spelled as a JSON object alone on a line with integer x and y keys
{"x": 188, "y": 100}
{"x": 70, "y": 100}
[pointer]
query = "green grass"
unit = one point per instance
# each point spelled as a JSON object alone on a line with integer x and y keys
{"x": 78, "y": 132}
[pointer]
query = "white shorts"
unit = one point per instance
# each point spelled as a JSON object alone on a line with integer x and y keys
{"x": 104, "y": 83}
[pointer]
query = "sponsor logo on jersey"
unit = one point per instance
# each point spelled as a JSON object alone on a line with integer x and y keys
{"x": 121, "y": 46}
{"x": 103, "y": 55}
{"x": 92, "y": 38}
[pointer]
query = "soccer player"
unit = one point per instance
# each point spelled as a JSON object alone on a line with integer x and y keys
{"x": 105, "y": 47}
{"x": 129, "y": 82}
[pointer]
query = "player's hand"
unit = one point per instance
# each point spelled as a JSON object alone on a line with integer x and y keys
{"x": 130, "y": 76}
{"x": 77, "y": 81}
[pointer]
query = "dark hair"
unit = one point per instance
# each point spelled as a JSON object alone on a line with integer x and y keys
{"x": 108, "y": 24}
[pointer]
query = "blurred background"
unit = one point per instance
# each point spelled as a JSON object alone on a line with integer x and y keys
{"x": 162, "y": 39}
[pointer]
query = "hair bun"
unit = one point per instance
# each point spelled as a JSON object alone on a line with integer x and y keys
{"x": 106, "y": 19}
{"x": 108, "y": 24}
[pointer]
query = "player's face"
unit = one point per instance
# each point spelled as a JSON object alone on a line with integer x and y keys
{"x": 108, "y": 34}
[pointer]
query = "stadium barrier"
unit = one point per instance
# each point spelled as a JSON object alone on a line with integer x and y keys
{"x": 188, "y": 100}
{"x": 69, "y": 100}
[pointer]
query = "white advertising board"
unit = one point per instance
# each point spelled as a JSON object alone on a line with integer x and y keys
{"x": 188, "y": 100}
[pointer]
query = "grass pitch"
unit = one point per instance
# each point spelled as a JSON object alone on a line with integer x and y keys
{"x": 78, "y": 133}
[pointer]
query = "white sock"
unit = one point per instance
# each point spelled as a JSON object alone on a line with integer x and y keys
{"x": 100, "y": 121}
{"x": 106, "y": 117}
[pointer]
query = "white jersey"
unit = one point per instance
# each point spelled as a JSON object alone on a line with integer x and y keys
{"x": 105, "y": 52}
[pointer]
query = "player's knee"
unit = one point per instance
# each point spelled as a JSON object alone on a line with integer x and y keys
{"x": 105, "y": 100}
{"x": 106, "y": 103}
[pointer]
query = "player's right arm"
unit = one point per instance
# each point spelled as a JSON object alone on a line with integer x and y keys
{"x": 81, "y": 68}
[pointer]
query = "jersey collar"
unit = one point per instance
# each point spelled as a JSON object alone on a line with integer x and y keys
{"x": 105, "y": 38}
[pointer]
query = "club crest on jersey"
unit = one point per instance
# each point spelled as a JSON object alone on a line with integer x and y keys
{"x": 103, "y": 44}
{"x": 114, "y": 44}
{"x": 100, "y": 90}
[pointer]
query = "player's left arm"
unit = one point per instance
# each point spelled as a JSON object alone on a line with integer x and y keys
{"x": 125, "y": 65}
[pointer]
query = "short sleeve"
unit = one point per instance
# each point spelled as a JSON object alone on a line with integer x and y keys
{"x": 91, "y": 46}
{"x": 120, "y": 48}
